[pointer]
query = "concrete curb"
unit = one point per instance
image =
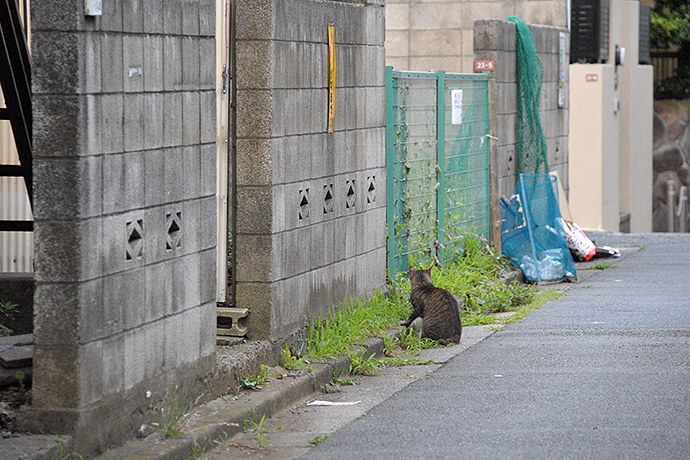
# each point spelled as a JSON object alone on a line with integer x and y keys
{"x": 224, "y": 417}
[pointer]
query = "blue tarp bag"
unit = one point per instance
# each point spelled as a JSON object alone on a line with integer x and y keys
{"x": 533, "y": 232}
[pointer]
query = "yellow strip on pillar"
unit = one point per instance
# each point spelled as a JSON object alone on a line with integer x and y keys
{"x": 331, "y": 78}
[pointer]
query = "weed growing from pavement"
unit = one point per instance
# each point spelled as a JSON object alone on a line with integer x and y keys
{"x": 361, "y": 365}
{"x": 170, "y": 415}
{"x": 318, "y": 439}
{"x": 256, "y": 383}
{"x": 291, "y": 362}
{"x": 262, "y": 434}
{"x": 603, "y": 266}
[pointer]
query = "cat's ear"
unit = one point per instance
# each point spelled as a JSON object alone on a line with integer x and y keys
{"x": 411, "y": 270}
{"x": 431, "y": 267}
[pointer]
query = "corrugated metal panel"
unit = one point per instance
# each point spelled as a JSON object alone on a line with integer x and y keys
{"x": 16, "y": 248}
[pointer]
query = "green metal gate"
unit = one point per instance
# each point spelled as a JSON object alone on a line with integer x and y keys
{"x": 437, "y": 164}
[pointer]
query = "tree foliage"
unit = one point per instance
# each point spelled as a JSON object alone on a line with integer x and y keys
{"x": 671, "y": 24}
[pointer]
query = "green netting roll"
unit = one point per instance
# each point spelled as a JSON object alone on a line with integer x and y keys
{"x": 532, "y": 156}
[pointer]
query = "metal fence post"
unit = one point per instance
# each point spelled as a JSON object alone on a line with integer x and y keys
{"x": 390, "y": 176}
{"x": 440, "y": 161}
{"x": 671, "y": 201}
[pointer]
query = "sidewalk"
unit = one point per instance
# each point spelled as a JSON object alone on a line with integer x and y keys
{"x": 223, "y": 418}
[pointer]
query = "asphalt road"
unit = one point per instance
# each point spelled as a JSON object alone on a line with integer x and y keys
{"x": 603, "y": 372}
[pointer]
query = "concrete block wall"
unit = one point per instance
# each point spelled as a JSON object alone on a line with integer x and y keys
{"x": 494, "y": 39}
{"x": 310, "y": 205}
{"x": 124, "y": 212}
{"x": 438, "y": 34}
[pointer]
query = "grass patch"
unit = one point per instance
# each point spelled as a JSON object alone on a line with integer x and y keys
{"x": 473, "y": 276}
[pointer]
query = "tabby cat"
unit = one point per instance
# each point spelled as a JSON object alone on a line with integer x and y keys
{"x": 438, "y": 308}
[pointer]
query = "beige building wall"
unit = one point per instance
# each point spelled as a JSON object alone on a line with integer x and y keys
{"x": 438, "y": 34}
{"x": 637, "y": 111}
{"x": 611, "y": 133}
{"x": 594, "y": 146}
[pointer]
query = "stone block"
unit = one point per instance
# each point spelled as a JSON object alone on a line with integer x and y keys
{"x": 90, "y": 238}
{"x": 55, "y": 120}
{"x": 190, "y": 17}
{"x": 435, "y": 42}
{"x": 254, "y": 113}
{"x": 186, "y": 282}
{"x": 56, "y": 66}
{"x": 258, "y": 298}
{"x": 190, "y": 63}
{"x": 191, "y": 210}
{"x": 111, "y": 19}
{"x": 112, "y": 63}
{"x": 172, "y": 62}
{"x": 113, "y": 183}
{"x": 208, "y": 277}
{"x": 254, "y": 19}
{"x": 430, "y": 16}
{"x": 133, "y": 298}
{"x": 143, "y": 355}
{"x": 278, "y": 223}
{"x": 191, "y": 163}
{"x": 157, "y": 296}
{"x": 154, "y": 171}
{"x": 299, "y": 204}
{"x": 134, "y": 188}
{"x": 174, "y": 174}
{"x": 190, "y": 117}
{"x": 506, "y": 129}
{"x": 208, "y": 170}
{"x": 91, "y": 382}
{"x": 506, "y": 161}
{"x": 295, "y": 159}
{"x": 254, "y": 161}
{"x": 133, "y": 16}
{"x": 115, "y": 302}
{"x": 487, "y": 35}
{"x": 56, "y": 377}
{"x": 207, "y": 116}
{"x": 153, "y": 62}
{"x": 207, "y": 329}
{"x": 113, "y": 352}
{"x": 172, "y": 119}
{"x": 254, "y": 62}
{"x": 114, "y": 244}
{"x": 254, "y": 257}
{"x": 207, "y": 64}
{"x": 89, "y": 315}
{"x": 91, "y": 67}
{"x": 153, "y": 120}
{"x": 134, "y": 121}
{"x": 181, "y": 339}
{"x": 172, "y": 17}
{"x": 57, "y": 188}
{"x": 322, "y": 161}
{"x": 250, "y": 200}
{"x": 66, "y": 15}
{"x": 112, "y": 135}
{"x": 91, "y": 113}
{"x": 207, "y": 18}
{"x": 57, "y": 303}
{"x": 153, "y": 19}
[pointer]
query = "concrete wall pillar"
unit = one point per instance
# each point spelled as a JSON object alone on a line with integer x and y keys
{"x": 124, "y": 184}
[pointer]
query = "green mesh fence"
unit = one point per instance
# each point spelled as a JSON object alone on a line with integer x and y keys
{"x": 532, "y": 157}
{"x": 437, "y": 166}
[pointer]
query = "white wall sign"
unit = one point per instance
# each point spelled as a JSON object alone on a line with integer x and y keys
{"x": 456, "y": 99}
